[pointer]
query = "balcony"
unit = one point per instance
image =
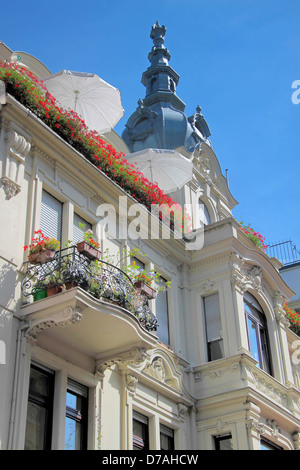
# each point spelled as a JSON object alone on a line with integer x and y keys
{"x": 101, "y": 280}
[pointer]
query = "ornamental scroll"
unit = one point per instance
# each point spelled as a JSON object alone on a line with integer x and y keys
{"x": 17, "y": 147}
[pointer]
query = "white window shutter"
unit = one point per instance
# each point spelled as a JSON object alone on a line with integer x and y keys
{"x": 51, "y": 216}
{"x": 77, "y": 231}
{"x": 212, "y": 317}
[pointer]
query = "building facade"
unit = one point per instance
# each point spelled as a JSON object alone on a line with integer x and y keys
{"x": 87, "y": 371}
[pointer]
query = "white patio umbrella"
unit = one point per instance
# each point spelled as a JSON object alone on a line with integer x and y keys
{"x": 97, "y": 102}
{"x": 168, "y": 168}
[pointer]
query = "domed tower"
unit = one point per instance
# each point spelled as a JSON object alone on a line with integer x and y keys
{"x": 159, "y": 121}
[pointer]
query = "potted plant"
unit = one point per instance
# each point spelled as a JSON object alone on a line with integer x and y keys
{"x": 54, "y": 283}
{"x": 146, "y": 282}
{"x": 40, "y": 293}
{"x": 256, "y": 237}
{"x": 89, "y": 247}
{"x": 42, "y": 248}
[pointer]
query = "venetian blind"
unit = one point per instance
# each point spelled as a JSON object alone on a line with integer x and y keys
{"x": 51, "y": 216}
{"x": 162, "y": 314}
{"x": 77, "y": 231}
{"x": 212, "y": 317}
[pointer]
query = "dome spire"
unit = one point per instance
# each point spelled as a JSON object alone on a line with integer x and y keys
{"x": 159, "y": 53}
{"x": 160, "y": 79}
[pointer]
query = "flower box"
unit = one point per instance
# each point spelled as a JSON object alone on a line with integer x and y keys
{"x": 145, "y": 289}
{"x": 41, "y": 256}
{"x": 88, "y": 250}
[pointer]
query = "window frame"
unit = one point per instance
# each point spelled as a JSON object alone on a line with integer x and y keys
{"x": 256, "y": 315}
{"x": 222, "y": 437}
{"x": 140, "y": 443}
{"x": 79, "y": 416}
{"x": 60, "y": 204}
{"x": 269, "y": 445}
{"x": 170, "y": 433}
{"x": 45, "y": 402}
{"x": 218, "y": 340}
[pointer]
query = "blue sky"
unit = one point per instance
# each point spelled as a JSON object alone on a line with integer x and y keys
{"x": 237, "y": 59}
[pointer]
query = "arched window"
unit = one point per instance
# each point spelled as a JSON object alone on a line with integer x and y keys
{"x": 204, "y": 216}
{"x": 257, "y": 332}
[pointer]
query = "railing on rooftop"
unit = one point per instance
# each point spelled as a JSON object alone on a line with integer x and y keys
{"x": 103, "y": 280}
{"x": 285, "y": 251}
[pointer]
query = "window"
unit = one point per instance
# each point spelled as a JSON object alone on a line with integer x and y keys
{"x": 166, "y": 438}
{"x": 78, "y": 232}
{"x": 213, "y": 327}
{"x": 204, "y": 216}
{"x": 162, "y": 313}
{"x": 257, "y": 332}
{"x": 76, "y": 417}
{"x": 39, "y": 410}
{"x": 140, "y": 264}
{"x": 51, "y": 216}
{"x": 268, "y": 445}
{"x": 140, "y": 432}
{"x": 223, "y": 442}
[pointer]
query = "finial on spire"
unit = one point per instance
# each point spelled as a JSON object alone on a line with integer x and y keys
{"x": 158, "y": 52}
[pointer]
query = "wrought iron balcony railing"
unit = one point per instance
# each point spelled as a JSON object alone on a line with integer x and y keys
{"x": 286, "y": 252}
{"x": 103, "y": 280}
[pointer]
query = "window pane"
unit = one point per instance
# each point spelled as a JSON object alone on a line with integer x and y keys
{"x": 76, "y": 417}
{"x": 253, "y": 340}
{"x": 72, "y": 435}
{"x": 35, "y": 427}
{"x": 203, "y": 214}
{"x": 223, "y": 442}
{"x": 137, "y": 262}
{"x": 166, "y": 438}
{"x": 216, "y": 350}
{"x": 39, "y": 410}
{"x": 140, "y": 431}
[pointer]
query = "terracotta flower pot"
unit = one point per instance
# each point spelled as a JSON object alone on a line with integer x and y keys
{"x": 52, "y": 290}
{"x": 70, "y": 286}
{"x": 88, "y": 250}
{"x": 41, "y": 256}
{"x": 145, "y": 289}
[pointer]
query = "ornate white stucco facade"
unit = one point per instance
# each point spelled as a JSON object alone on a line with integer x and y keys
{"x": 125, "y": 368}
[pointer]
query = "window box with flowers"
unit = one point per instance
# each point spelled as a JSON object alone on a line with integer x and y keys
{"x": 256, "y": 237}
{"x": 89, "y": 247}
{"x": 145, "y": 282}
{"x": 32, "y": 93}
{"x": 294, "y": 319}
{"x": 42, "y": 248}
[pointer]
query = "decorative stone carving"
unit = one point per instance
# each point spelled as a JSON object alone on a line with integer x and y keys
{"x": 132, "y": 381}
{"x": 296, "y": 440}
{"x": 133, "y": 357}
{"x": 278, "y": 301}
{"x": 254, "y": 427}
{"x": 255, "y": 277}
{"x": 157, "y": 369}
{"x": 275, "y": 430}
{"x": 18, "y": 148}
{"x": 182, "y": 409}
{"x": 62, "y": 318}
{"x": 207, "y": 286}
{"x": 243, "y": 279}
